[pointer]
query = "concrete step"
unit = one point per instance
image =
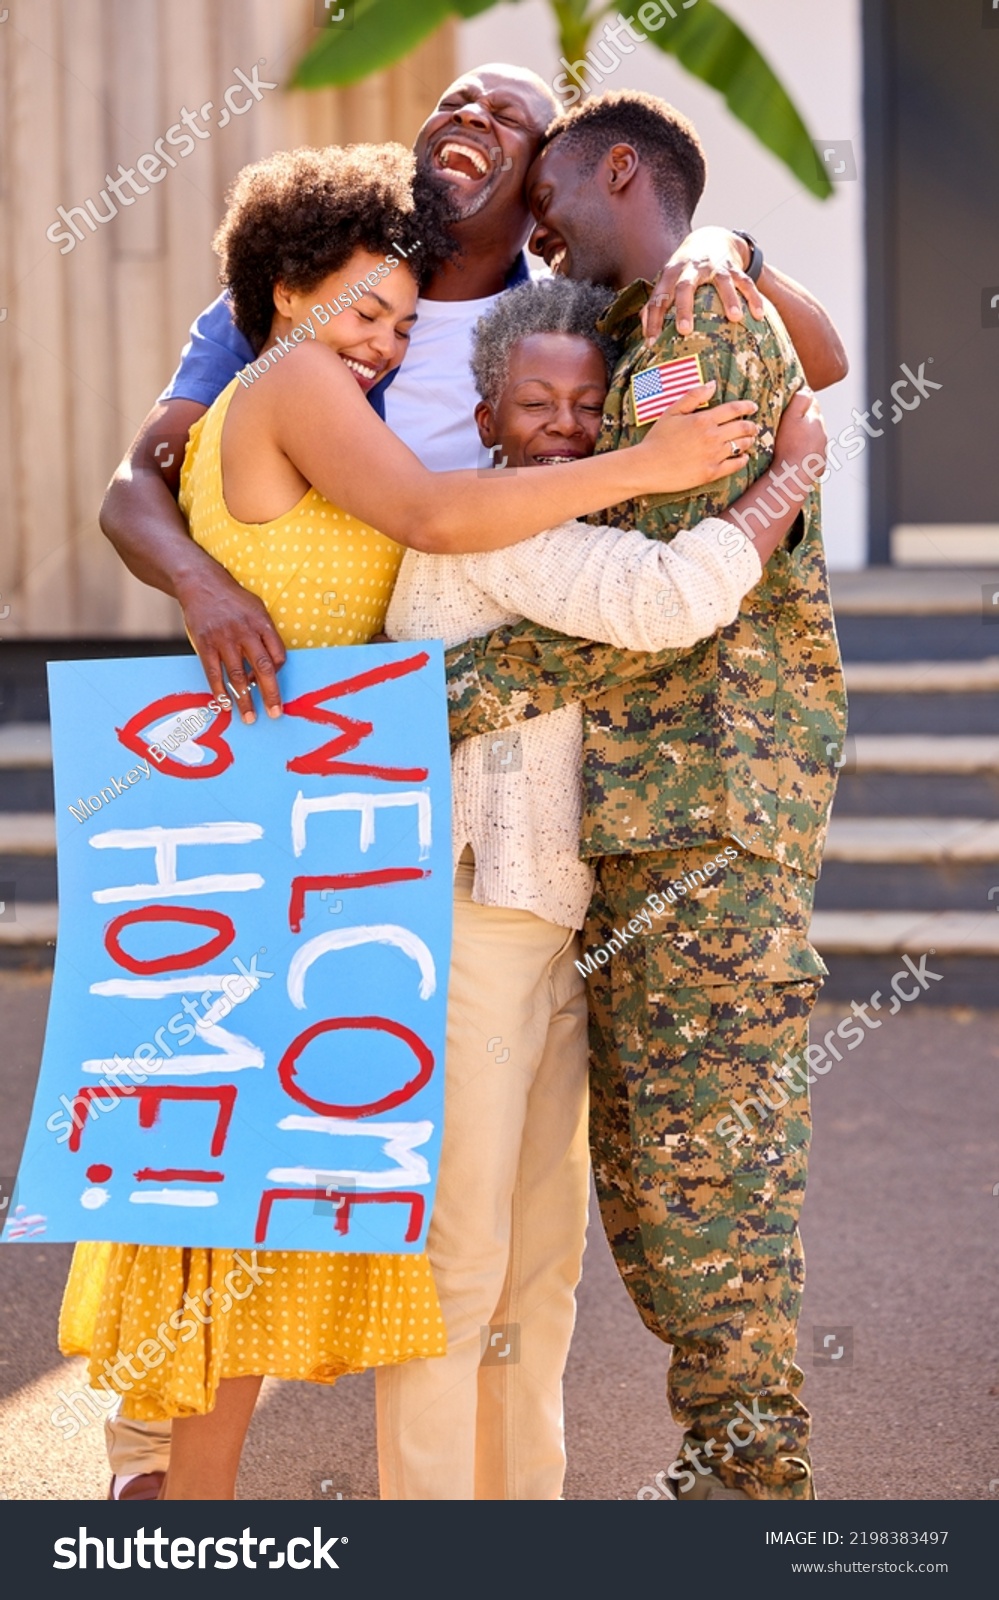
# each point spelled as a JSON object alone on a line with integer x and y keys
{"x": 24, "y": 693}
{"x": 931, "y": 794}
{"x": 915, "y": 863}
{"x": 28, "y": 833}
{"x": 27, "y": 789}
{"x": 915, "y": 775}
{"x": 27, "y": 855}
{"x": 899, "y": 840}
{"x": 885, "y": 614}
{"x": 894, "y": 591}
{"x": 910, "y": 863}
{"x": 961, "y": 754}
{"x": 923, "y": 677}
{"x": 25, "y": 745}
{"x": 900, "y": 932}
{"x": 924, "y": 697}
{"x": 947, "y": 886}
{"x": 863, "y": 951}
{"x": 27, "y": 938}
{"x": 26, "y": 767}
{"x": 954, "y": 637}
{"x": 929, "y": 715}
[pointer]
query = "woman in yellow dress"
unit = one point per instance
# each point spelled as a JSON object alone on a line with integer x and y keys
{"x": 322, "y": 253}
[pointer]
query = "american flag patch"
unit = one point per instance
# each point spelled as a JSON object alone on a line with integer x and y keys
{"x": 657, "y": 387}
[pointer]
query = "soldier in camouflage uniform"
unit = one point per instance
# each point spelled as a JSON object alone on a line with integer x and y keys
{"x": 730, "y": 744}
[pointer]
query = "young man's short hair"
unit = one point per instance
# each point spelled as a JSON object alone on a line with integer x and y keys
{"x": 666, "y": 141}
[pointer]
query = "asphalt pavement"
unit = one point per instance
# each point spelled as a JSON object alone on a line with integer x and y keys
{"x": 899, "y": 1334}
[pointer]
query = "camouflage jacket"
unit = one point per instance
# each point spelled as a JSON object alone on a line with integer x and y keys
{"x": 739, "y": 736}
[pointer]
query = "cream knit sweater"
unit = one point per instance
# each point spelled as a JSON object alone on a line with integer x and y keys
{"x": 518, "y": 794}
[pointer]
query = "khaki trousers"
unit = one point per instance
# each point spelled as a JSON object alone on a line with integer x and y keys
{"x": 506, "y": 1239}
{"x": 135, "y": 1447}
{"x": 507, "y": 1235}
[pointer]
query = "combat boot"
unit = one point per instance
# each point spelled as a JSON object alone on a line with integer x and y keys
{"x": 708, "y": 1487}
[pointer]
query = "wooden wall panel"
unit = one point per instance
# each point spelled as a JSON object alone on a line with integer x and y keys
{"x": 92, "y": 338}
{"x": 10, "y": 555}
{"x": 192, "y": 196}
{"x": 35, "y": 330}
{"x": 92, "y": 335}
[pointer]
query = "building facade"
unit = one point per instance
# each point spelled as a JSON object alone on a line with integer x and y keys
{"x": 899, "y": 95}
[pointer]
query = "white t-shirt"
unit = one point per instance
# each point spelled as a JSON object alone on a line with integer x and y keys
{"x": 431, "y": 401}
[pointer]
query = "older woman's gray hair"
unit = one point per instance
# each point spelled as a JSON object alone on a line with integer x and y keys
{"x": 549, "y": 305}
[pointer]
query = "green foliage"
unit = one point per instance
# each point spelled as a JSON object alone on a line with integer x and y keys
{"x": 704, "y": 39}
{"x": 714, "y": 48}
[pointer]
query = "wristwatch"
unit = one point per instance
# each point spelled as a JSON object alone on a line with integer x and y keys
{"x": 755, "y": 255}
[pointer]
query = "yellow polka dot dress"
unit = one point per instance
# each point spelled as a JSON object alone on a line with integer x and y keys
{"x": 199, "y": 1315}
{"x": 325, "y": 577}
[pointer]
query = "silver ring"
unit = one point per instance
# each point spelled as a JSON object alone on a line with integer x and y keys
{"x": 736, "y": 448}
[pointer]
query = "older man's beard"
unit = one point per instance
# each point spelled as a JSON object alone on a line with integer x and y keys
{"x": 460, "y": 210}
{"x": 427, "y": 181}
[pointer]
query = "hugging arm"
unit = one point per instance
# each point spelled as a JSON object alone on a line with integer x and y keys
{"x": 615, "y": 586}
{"x": 378, "y": 479}
{"x": 716, "y": 256}
{"x": 522, "y": 670}
{"x": 229, "y": 627}
{"x": 619, "y": 587}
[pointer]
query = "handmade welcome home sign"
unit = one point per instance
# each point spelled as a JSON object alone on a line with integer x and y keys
{"x": 246, "y": 1033}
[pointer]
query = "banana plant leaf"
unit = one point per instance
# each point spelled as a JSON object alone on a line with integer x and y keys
{"x": 714, "y": 49}
{"x": 382, "y": 32}
{"x": 704, "y": 39}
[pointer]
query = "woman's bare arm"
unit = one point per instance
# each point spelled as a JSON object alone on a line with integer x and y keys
{"x": 314, "y": 411}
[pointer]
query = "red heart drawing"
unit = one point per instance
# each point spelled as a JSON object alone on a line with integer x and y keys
{"x": 210, "y": 738}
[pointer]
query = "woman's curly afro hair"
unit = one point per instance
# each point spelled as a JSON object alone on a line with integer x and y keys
{"x": 301, "y": 214}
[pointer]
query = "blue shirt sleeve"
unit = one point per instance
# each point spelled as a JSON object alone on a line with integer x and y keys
{"x": 214, "y": 354}
{"x": 211, "y": 358}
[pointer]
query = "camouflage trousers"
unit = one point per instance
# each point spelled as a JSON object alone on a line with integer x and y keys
{"x": 688, "y": 1019}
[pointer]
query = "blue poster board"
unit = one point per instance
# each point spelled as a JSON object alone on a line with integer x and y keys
{"x": 245, "y": 1040}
